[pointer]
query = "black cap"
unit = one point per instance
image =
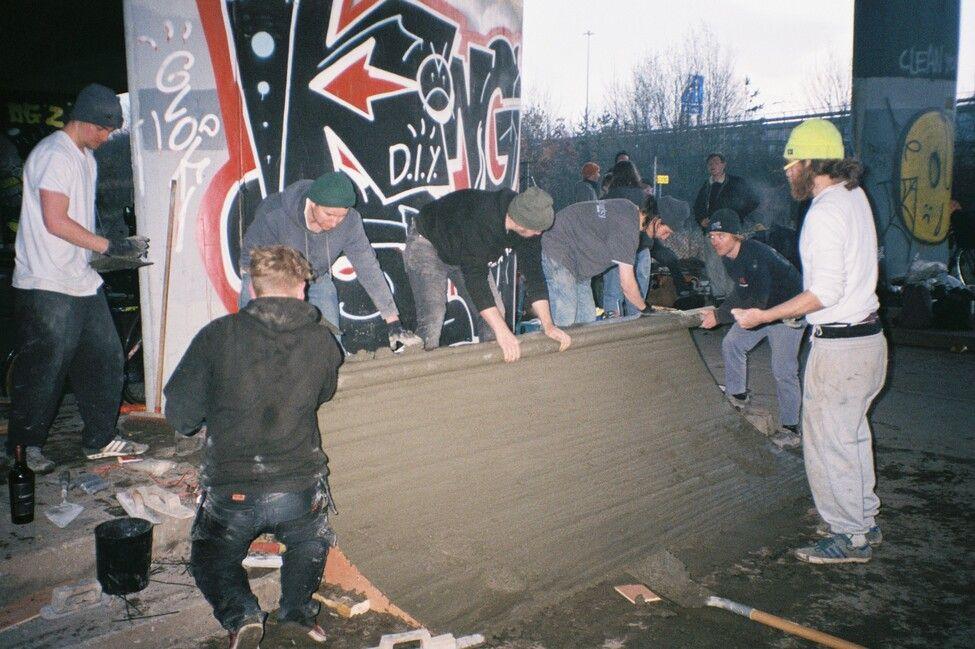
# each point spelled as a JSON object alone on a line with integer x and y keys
{"x": 98, "y": 105}
{"x": 725, "y": 220}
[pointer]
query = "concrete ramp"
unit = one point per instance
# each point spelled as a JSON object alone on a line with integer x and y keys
{"x": 472, "y": 491}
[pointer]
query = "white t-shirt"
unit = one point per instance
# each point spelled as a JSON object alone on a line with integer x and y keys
{"x": 44, "y": 261}
{"x": 838, "y": 247}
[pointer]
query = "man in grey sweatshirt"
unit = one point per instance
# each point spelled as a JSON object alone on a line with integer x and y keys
{"x": 317, "y": 219}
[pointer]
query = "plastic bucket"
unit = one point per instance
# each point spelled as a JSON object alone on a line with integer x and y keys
{"x": 123, "y": 552}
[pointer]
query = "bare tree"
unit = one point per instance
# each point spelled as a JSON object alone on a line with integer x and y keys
{"x": 831, "y": 86}
{"x": 651, "y": 97}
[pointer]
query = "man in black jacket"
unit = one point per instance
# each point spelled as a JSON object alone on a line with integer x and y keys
{"x": 255, "y": 379}
{"x": 458, "y": 237}
{"x": 722, "y": 190}
{"x": 762, "y": 277}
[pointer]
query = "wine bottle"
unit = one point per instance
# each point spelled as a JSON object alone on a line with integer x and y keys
{"x": 20, "y": 480}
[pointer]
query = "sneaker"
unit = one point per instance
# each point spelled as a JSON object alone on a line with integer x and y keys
{"x": 835, "y": 549}
{"x": 248, "y": 635}
{"x": 116, "y": 447}
{"x": 37, "y": 462}
{"x": 787, "y": 437}
{"x": 874, "y": 535}
{"x": 313, "y": 630}
{"x": 739, "y": 401}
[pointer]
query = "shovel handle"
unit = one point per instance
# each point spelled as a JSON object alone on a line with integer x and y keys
{"x": 782, "y": 624}
{"x": 788, "y": 626}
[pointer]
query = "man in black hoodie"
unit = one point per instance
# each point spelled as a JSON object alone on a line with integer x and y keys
{"x": 722, "y": 191}
{"x": 458, "y": 237}
{"x": 255, "y": 379}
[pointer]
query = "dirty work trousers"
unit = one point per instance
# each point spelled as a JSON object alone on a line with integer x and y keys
{"x": 428, "y": 275}
{"x": 63, "y": 336}
{"x": 570, "y": 298}
{"x": 222, "y": 533}
{"x": 843, "y": 376}
{"x": 784, "y": 341}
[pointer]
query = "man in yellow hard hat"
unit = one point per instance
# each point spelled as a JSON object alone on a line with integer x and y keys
{"x": 847, "y": 362}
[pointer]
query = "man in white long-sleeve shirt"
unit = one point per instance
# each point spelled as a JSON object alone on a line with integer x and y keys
{"x": 847, "y": 362}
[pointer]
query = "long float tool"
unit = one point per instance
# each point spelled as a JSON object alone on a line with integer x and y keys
{"x": 666, "y": 575}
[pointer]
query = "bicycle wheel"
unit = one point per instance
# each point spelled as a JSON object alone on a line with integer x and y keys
{"x": 965, "y": 266}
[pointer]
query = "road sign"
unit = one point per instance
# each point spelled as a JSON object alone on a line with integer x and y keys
{"x": 663, "y": 179}
{"x": 692, "y": 99}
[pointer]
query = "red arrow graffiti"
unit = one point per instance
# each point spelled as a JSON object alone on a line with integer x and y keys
{"x": 353, "y": 82}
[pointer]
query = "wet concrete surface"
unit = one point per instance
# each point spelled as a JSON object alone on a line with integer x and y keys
{"x": 918, "y": 591}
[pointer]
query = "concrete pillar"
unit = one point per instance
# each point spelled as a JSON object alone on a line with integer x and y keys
{"x": 238, "y": 99}
{"x": 904, "y": 76}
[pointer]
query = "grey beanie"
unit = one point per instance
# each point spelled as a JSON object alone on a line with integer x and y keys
{"x": 98, "y": 105}
{"x": 532, "y": 209}
{"x": 725, "y": 220}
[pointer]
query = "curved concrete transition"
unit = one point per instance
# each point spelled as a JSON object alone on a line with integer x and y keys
{"x": 473, "y": 491}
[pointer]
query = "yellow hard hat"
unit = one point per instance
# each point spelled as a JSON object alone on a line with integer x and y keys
{"x": 814, "y": 139}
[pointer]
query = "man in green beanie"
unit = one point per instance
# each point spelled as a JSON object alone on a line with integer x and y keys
{"x": 458, "y": 237}
{"x": 317, "y": 218}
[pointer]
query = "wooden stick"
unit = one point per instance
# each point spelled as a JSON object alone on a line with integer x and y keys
{"x": 782, "y": 624}
{"x": 161, "y": 356}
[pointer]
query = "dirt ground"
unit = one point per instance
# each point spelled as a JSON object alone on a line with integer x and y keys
{"x": 918, "y": 591}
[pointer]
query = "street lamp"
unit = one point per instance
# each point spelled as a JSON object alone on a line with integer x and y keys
{"x": 588, "y": 34}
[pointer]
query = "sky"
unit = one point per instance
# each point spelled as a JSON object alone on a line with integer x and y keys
{"x": 778, "y": 45}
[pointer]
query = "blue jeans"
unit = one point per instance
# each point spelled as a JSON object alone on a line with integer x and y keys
{"x": 784, "y": 341}
{"x": 569, "y": 298}
{"x": 613, "y": 292}
{"x": 65, "y": 337}
{"x": 222, "y": 534}
{"x": 321, "y": 294}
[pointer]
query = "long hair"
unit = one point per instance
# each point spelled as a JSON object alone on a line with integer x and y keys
{"x": 624, "y": 174}
{"x": 849, "y": 170}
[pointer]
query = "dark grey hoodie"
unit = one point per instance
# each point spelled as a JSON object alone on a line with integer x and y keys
{"x": 280, "y": 220}
{"x": 256, "y": 379}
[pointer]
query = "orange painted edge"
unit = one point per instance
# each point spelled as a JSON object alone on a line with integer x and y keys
{"x": 341, "y": 572}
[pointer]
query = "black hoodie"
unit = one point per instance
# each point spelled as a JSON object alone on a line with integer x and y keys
{"x": 256, "y": 379}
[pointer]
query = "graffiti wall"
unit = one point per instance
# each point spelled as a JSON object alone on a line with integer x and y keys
{"x": 904, "y": 78}
{"x": 233, "y": 101}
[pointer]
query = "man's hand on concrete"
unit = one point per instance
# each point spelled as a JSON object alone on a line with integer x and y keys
{"x": 135, "y": 247}
{"x": 509, "y": 345}
{"x": 558, "y": 336}
{"x": 400, "y": 338}
{"x": 749, "y": 318}
{"x": 709, "y": 319}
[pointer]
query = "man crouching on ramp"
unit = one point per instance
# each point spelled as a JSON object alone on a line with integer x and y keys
{"x": 256, "y": 379}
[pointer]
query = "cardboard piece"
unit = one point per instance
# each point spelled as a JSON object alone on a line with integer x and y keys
{"x": 637, "y": 594}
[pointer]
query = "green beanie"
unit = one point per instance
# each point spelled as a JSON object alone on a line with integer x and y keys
{"x": 332, "y": 190}
{"x": 532, "y": 209}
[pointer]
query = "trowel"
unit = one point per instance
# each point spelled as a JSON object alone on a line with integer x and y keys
{"x": 66, "y": 512}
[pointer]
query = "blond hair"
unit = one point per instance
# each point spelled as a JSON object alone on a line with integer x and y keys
{"x": 278, "y": 268}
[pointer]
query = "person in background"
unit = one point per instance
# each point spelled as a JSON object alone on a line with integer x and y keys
{"x": 723, "y": 190}
{"x": 762, "y": 278}
{"x": 587, "y": 189}
{"x": 64, "y": 326}
{"x": 264, "y": 469}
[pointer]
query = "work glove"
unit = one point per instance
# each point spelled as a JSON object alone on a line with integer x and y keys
{"x": 647, "y": 310}
{"x": 399, "y": 338}
{"x": 134, "y": 247}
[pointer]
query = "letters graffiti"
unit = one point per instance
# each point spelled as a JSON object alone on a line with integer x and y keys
{"x": 411, "y": 99}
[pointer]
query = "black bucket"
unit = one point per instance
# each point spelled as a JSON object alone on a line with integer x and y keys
{"x": 123, "y": 552}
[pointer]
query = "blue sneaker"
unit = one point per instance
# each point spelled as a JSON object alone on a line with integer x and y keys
{"x": 835, "y": 549}
{"x": 874, "y": 535}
